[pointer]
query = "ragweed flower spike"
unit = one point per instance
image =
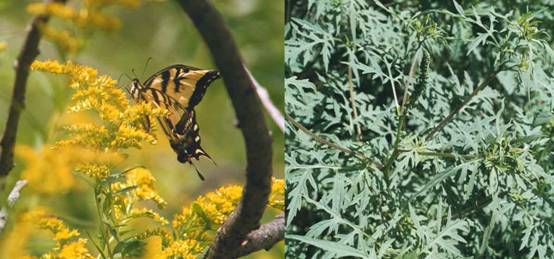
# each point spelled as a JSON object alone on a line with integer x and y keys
{"x": 422, "y": 78}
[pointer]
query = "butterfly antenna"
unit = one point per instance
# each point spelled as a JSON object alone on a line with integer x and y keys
{"x": 204, "y": 153}
{"x": 133, "y": 71}
{"x": 119, "y": 78}
{"x": 198, "y": 172}
{"x": 146, "y": 65}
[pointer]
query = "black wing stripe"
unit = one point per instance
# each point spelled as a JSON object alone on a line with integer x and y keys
{"x": 165, "y": 80}
{"x": 200, "y": 88}
{"x": 156, "y": 95}
{"x": 177, "y": 78}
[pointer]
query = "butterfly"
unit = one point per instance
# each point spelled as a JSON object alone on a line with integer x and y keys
{"x": 178, "y": 89}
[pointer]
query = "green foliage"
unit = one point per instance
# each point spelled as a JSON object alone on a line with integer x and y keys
{"x": 446, "y": 149}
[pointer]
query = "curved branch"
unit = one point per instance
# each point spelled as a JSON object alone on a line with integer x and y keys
{"x": 265, "y": 237}
{"x": 250, "y": 115}
{"x": 26, "y": 56}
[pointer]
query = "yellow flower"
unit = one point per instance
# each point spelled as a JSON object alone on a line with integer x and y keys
{"x": 41, "y": 218}
{"x": 94, "y": 170}
{"x": 122, "y": 124}
{"x": 48, "y": 171}
{"x": 3, "y": 46}
{"x": 126, "y": 3}
{"x": 49, "y": 66}
{"x": 63, "y": 39}
{"x": 187, "y": 249}
{"x": 14, "y": 242}
{"x": 143, "y": 212}
{"x": 52, "y": 9}
{"x": 144, "y": 182}
{"x": 277, "y": 196}
{"x": 153, "y": 248}
{"x": 77, "y": 249}
{"x": 213, "y": 207}
{"x": 164, "y": 233}
{"x": 82, "y": 18}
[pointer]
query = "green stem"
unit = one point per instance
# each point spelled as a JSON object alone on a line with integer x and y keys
{"x": 468, "y": 98}
{"x": 440, "y": 154}
{"x": 395, "y": 151}
{"x": 102, "y": 229}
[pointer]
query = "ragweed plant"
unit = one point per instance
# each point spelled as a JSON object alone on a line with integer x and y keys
{"x": 419, "y": 129}
{"x": 95, "y": 149}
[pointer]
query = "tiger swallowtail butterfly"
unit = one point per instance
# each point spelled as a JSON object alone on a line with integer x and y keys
{"x": 177, "y": 88}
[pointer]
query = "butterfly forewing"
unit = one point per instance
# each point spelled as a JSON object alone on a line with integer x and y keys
{"x": 185, "y": 85}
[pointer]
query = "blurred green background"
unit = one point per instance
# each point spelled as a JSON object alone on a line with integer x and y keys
{"x": 162, "y": 31}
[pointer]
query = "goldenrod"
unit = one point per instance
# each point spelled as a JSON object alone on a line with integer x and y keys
{"x": 63, "y": 39}
{"x": 187, "y": 249}
{"x": 76, "y": 249}
{"x": 47, "y": 171}
{"x": 41, "y": 218}
{"x": 85, "y": 17}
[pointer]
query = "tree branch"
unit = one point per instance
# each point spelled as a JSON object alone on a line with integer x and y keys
{"x": 250, "y": 115}
{"x": 264, "y": 237}
{"x": 26, "y": 56}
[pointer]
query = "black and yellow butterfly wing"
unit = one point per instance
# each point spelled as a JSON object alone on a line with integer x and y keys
{"x": 184, "y": 84}
{"x": 178, "y": 88}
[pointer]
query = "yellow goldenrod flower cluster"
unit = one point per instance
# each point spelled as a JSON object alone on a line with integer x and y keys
{"x": 126, "y": 3}
{"x": 89, "y": 16}
{"x": 41, "y": 218}
{"x": 121, "y": 125}
{"x": 277, "y": 196}
{"x": 63, "y": 39}
{"x": 187, "y": 249}
{"x": 207, "y": 213}
{"x": 47, "y": 171}
{"x": 95, "y": 149}
{"x": 144, "y": 182}
{"x": 68, "y": 243}
{"x": 14, "y": 242}
{"x": 139, "y": 186}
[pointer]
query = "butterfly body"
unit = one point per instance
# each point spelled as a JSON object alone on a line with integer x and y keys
{"x": 177, "y": 88}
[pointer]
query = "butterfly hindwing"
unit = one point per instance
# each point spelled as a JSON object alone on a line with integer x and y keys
{"x": 187, "y": 145}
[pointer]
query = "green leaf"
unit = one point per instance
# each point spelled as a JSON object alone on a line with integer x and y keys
{"x": 338, "y": 249}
